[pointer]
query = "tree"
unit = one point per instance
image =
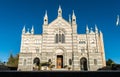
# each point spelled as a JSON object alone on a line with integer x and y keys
{"x": 13, "y": 60}
{"x": 10, "y": 60}
{"x": 16, "y": 60}
{"x": 109, "y": 62}
{"x": 109, "y": 65}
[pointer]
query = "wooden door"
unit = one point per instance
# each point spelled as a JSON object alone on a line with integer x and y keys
{"x": 59, "y": 62}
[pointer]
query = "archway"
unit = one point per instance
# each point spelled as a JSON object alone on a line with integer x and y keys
{"x": 36, "y": 61}
{"x": 83, "y": 63}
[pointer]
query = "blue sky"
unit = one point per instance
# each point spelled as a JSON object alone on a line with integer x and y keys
{"x": 14, "y": 14}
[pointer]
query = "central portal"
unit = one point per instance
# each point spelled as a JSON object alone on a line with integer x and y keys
{"x": 59, "y": 61}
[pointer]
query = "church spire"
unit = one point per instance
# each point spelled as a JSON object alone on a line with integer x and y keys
{"x": 23, "y": 31}
{"x": 46, "y": 18}
{"x": 87, "y": 29}
{"x": 59, "y": 11}
{"x": 73, "y": 15}
{"x": 32, "y": 30}
{"x": 69, "y": 18}
{"x": 73, "y": 18}
{"x": 46, "y": 14}
{"x": 96, "y": 29}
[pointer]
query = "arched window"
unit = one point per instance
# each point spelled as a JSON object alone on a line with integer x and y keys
{"x": 60, "y": 38}
{"x": 95, "y": 50}
{"x": 70, "y": 61}
{"x": 73, "y": 19}
{"x": 93, "y": 41}
{"x": 81, "y": 42}
{"x": 49, "y": 60}
{"x": 56, "y": 41}
{"x": 63, "y": 38}
{"x": 24, "y": 63}
{"x": 95, "y": 61}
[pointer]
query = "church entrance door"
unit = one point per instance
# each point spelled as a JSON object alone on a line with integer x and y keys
{"x": 36, "y": 63}
{"x": 83, "y": 63}
{"x": 59, "y": 61}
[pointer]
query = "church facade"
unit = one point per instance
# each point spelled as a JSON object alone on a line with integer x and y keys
{"x": 62, "y": 46}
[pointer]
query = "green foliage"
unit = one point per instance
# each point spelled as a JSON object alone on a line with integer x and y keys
{"x": 48, "y": 64}
{"x": 65, "y": 66}
{"x": 44, "y": 64}
{"x": 52, "y": 66}
{"x": 109, "y": 62}
{"x": 13, "y": 61}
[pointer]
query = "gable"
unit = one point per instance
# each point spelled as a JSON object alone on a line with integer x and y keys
{"x": 59, "y": 22}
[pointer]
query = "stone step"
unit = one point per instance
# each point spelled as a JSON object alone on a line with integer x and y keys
{"x": 62, "y": 69}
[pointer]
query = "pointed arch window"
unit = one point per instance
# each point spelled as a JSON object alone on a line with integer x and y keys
{"x": 70, "y": 61}
{"x": 56, "y": 38}
{"x": 95, "y": 61}
{"x": 49, "y": 60}
{"x": 60, "y": 38}
{"x": 60, "y": 35}
{"x": 63, "y": 38}
{"x": 24, "y": 63}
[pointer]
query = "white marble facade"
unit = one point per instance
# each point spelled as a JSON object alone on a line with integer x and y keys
{"x": 61, "y": 44}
